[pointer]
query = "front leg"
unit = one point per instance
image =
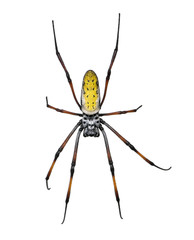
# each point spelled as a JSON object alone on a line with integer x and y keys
{"x": 111, "y": 63}
{"x": 64, "y": 67}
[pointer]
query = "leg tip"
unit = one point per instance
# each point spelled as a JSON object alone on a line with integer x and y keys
{"x": 47, "y": 185}
{"x": 121, "y": 216}
{"x": 64, "y": 214}
{"x": 120, "y": 210}
{"x": 164, "y": 169}
{"x": 46, "y": 101}
{"x": 139, "y": 107}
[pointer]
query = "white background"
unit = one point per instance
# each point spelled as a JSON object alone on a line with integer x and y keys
{"x": 154, "y": 67}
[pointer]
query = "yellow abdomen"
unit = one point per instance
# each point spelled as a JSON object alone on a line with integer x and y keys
{"x": 90, "y": 99}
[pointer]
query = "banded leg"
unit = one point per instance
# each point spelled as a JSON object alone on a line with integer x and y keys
{"x": 72, "y": 171}
{"x": 61, "y": 110}
{"x": 111, "y": 168}
{"x": 64, "y": 67}
{"x": 131, "y": 146}
{"x": 111, "y": 63}
{"x": 60, "y": 150}
{"x": 119, "y": 112}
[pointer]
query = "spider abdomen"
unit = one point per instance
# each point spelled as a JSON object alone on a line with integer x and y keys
{"x": 90, "y": 95}
{"x": 91, "y": 124}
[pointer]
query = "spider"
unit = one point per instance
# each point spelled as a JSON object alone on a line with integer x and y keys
{"x": 91, "y": 122}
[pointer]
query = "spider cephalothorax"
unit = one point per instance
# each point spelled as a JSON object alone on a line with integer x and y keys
{"x": 91, "y": 122}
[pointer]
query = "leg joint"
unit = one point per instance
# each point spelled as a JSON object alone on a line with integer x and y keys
{"x": 131, "y": 146}
{"x": 72, "y": 170}
{"x": 108, "y": 74}
{"x": 68, "y": 77}
{"x": 58, "y": 153}
{"x": 112, "y": 169}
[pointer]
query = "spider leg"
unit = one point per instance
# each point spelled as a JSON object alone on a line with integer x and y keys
{"x": 111, "y": 63}
{"x": 59, "y": 151}
{"x": 131, "y": 146}
{"x": 72, "y": 171}
{"x": 64, "y": 67}
{"x": 119, "y": 112}
{"x": 111, "y": 168}
{"x": 61, "y": 110}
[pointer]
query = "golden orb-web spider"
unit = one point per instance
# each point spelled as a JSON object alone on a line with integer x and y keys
{"x": 91, "y": 122}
